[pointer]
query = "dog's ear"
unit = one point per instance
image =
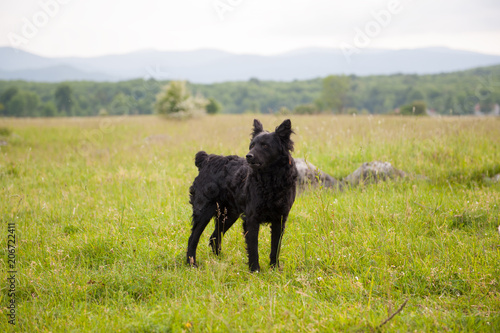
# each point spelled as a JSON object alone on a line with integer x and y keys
{"x": 284, "y": 131}
{"x": 257, "y": 128}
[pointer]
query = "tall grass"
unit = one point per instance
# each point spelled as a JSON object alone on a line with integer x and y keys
{"x": 102, "y": 220}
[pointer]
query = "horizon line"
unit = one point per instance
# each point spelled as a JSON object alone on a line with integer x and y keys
{"x": 291, "y": 51}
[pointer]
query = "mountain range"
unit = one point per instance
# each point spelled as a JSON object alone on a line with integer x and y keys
{"x": 211, "y": 66}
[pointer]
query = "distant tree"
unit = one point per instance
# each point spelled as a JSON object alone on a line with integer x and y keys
{"x": 23, "y": 104}
{"x": 319, "y": 104}
{"x": 254, "y": 80}
{"x": 16, "y": 107}
{"x": 449, "y": 105}
{"x": 415, "y": 95}
{"x": 334, "y": 92}
{"x": 486, "y": 99}
{"x": 63, "y": 97}
{"x": 176, "y": 100}
{"x": 171, "y": 99}
{"x": 32, "y": 103}
{"x": 252, "y": 106}
{"x": 83, "y": 106}
{"x": 7, "y": 95}
{"x": 103, "y": 95}
{"x": 122, "y": 105}
{"x": 213, "y": 106}
{"x": 48, "y": 110}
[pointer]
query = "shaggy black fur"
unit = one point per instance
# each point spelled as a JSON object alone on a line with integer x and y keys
{"x": 260, "y": 189}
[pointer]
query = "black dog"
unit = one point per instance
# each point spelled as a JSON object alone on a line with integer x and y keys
{"x": 260, "y": 188}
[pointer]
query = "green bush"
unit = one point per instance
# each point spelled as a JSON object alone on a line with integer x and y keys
{"x": 305, "y": 109}
{"x": 176, "y": 101}
{"x": 213, "y": 106}
{"x": 416, "y": 108}
{"x": 5, "y": 131}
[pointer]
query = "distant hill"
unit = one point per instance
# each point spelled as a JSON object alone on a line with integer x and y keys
{"x": 54, "y": 74}
{"x": 212, "y": 66}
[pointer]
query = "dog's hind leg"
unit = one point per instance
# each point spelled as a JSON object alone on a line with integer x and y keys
{"x": 277, "y": 230}
{"x": 223, "y": 222}
{"x": 201, "y": 218}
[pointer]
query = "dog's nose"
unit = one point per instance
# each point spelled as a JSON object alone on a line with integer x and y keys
{"x": 249, "y": 156}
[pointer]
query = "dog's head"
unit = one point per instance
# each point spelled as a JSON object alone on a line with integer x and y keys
{"x": 268, "y": 148}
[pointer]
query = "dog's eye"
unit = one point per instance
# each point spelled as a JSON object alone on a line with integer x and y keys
{"x": 252, "y": 145}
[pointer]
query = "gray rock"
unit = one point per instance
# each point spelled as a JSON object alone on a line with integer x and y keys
{"x": 496, "y": 178}
{"x": 367, "y": 173}
{"x": 373, "y": 172}
{"x": 308, "y": 174}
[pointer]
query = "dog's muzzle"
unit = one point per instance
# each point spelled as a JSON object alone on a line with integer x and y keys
{"x": 251, "y": 160}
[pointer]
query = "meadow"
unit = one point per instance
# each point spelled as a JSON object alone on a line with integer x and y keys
{"x": 100, "y": 212}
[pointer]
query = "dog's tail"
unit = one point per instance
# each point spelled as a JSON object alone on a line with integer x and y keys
{"x": 200, "y": 159}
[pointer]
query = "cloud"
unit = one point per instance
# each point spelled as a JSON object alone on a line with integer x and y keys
{"x": 99, "y": 27}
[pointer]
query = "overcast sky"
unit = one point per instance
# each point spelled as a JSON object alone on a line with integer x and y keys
{"x": 92, "y": 27}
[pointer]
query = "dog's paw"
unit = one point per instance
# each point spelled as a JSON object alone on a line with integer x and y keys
{"x": 191, "y": 262}
{"x": 255, "y": 268}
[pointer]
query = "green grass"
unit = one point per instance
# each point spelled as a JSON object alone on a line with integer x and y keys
{"x": 102, "y": 221}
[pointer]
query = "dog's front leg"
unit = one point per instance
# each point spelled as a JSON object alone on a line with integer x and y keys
{"x": 277, "y": 230}
{"x": 251, "y": 228}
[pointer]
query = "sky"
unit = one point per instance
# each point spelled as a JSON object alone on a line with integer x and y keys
{"x": 85, "y": 28}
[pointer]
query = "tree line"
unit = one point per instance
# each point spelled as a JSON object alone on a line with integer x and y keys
{"x": 457, "y": 93}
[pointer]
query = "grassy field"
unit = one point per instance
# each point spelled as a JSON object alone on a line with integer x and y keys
{"x": 101, "y": 216}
